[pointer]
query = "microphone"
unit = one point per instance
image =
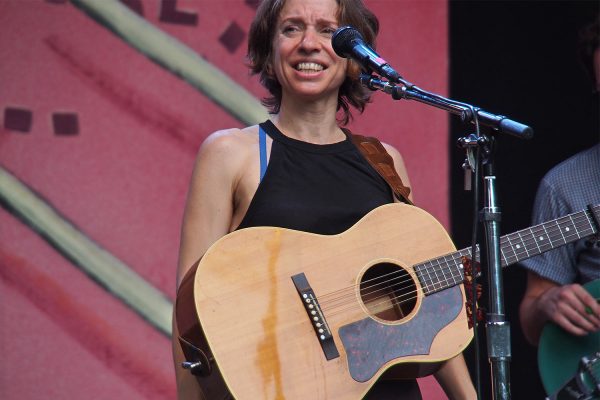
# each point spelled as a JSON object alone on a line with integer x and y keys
{"x": 347, "y": 42}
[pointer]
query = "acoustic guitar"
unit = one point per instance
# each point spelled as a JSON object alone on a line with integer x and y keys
{"x": 273, "y": 313}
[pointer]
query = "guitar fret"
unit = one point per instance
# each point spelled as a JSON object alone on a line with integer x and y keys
{"x": 433, "y": 272}
{"x": 559, "y": 238}
{"x": 570, "y": 229}
{"x": 564, "y": 240}
{"x": 438, "y": 282}
{"x": 450, "y": 276}
{"x": 425, "y": 280}
{"x": 535, "y": 241}
{"x": 444, "y": 266}
{"x": 514, "y": 246}
{"x": 430, "y": 279}
{"x": 574, "y": 227}
{"x": 589, "y": 221}
{"x": 567, "y": 228}
{"x": 459, "y": 269}
{"x": 455, "y": 274}
{"x": 543, "y": 240}
{"x": 447, "y": 265}
{"x": 523, "y": 246}
{"x": 584, "y": 228}
{"x": 502, "y": 256}
{"x": 435, "y": 264}
{"x": 511, "y": 247}
{"x": 422, "y": 278}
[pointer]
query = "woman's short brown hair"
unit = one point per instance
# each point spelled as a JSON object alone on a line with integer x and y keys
{"x": 260, "y": 45}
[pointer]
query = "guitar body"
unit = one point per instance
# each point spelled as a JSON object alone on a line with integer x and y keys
{"x": 559, "y": 352}
{"x": 263, "y": 340}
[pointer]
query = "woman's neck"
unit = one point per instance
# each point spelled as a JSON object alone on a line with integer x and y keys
{"x": 312, "y": 122}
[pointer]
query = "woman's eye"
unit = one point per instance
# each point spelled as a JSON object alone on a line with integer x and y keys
{"x": 289, "y": 29}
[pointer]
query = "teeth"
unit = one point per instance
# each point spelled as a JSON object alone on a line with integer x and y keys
{"x": 309, "y": 66}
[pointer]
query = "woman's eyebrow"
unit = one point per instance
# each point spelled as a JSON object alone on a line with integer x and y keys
{"x": 300, "y": 20}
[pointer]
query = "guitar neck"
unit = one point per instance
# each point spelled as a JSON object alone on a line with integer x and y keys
{"x": 447, "y": 271}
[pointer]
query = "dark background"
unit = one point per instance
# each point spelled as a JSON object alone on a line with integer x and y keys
{"x": 519, "y": 59}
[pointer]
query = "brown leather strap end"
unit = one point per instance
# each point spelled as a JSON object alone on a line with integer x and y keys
{"x": 372, "y": 149}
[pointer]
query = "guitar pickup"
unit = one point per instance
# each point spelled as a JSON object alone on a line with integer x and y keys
{"x": 315, "y": 315}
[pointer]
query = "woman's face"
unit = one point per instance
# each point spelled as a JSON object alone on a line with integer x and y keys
{"x": 302, "y": 59}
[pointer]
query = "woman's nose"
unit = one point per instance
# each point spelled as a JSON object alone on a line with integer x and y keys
{"x": 310, "y": 40}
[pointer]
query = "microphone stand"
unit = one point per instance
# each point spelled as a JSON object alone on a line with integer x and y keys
{"x": 498, "y": 330}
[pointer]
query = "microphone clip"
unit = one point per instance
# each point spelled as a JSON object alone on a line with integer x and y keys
{"x": 373, "y": 82}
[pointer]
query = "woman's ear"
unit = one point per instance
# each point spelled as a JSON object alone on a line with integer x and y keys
{"x": 269, "y": 68}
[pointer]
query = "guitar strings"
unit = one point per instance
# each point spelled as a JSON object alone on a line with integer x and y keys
{"x": 451, "y": 259}
{"x": 384, "y": 287}
{"x": 395, "y": 301}
{"x": 380, "y": 293}
{"x": 352, "y": 288}
{"x": 375, "y": 303}
{"x": 438, "y": 266}
{"x": 526, "y": 238}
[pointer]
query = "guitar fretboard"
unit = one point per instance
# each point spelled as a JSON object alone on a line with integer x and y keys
{"x": 447, "y": 271}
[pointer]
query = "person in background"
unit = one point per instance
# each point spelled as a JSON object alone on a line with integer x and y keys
{"x": 313, "y": 177}
{"x": 554, "y": 280}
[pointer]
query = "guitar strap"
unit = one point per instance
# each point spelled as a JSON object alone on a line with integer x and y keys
{"x": 374, "y": 152}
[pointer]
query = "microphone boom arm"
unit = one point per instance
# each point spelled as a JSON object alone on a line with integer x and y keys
{"x": 498, "y": 123}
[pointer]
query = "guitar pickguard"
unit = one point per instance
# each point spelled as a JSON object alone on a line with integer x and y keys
{"x": 370, "y": 344}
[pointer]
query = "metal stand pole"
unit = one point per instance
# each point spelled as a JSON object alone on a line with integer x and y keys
{"x": 498, "y": 330}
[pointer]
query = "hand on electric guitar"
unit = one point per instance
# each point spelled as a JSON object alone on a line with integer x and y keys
{"x": 569, "y": 306}
{"x": 569, "y": 363}
{"x": 572, "y": 308}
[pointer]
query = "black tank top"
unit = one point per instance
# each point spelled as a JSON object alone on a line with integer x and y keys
{"x": 315, "y": 188}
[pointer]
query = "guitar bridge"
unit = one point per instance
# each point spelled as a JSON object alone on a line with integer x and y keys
{"x": 315, "y": 315}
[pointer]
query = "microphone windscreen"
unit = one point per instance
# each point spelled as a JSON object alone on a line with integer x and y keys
{"x": 343, "y": 38}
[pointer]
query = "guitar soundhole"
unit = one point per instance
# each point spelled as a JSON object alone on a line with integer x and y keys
{"x": 388, "y": 292}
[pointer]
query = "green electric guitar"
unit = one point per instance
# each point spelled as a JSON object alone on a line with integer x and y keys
{"x": 570, "y": 365}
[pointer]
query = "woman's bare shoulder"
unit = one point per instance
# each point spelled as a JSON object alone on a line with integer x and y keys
{"x": 232, "y": 137}
{"x": 228, "y": 145}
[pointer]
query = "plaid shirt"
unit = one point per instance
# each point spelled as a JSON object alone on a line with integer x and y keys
{"x": 567, "y": 188}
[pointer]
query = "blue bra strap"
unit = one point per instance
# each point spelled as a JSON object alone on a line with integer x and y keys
{"x": 262, "y": 149}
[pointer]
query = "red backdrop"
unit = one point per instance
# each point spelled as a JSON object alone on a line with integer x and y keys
{"x": 107, "y": 138}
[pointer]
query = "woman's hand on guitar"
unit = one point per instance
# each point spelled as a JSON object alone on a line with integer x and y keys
{"x": 572, "y": 308}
